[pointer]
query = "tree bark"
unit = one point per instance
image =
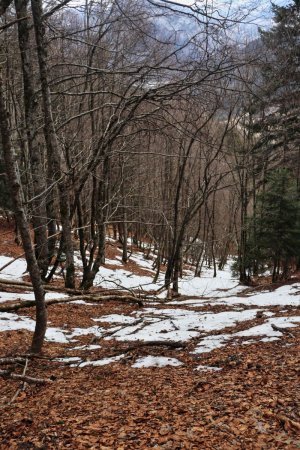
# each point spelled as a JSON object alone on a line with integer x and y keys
{"x": 53, "y": 151}
{"x": 21, "y": 219}
{"x": 39, "y": 215}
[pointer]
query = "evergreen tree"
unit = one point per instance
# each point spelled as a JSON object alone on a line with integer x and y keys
{"x": 274, "y": 233}
{"x": 279, "y": 126}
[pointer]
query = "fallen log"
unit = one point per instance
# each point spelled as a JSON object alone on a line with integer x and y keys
{"x": 88, "y": 298}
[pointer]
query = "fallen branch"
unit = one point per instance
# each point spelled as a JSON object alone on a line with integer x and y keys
{"x": 22, "y": 388}
{"x": 49, "y": 237}
{"x": 123, "y": 325}
{"x": 16, "y": 360}
{"x": 11, "y": 261}
{"x": 54, "y": 301}
{"x": 282, "y": 330}
{"x": 28, "y": 287}
{"x": 8, "y": 374}
{"x": 171, "y": 344}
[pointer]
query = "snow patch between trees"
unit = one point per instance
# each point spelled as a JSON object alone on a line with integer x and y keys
{"x": 156, "y": 361}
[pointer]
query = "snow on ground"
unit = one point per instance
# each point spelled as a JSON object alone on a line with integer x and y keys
{"x": 116, "y": 318}
{"x": 114, "y": 262}
{"x": 86, "y": 347}
{"x": 206, "y": 285}
{"x": 140, "y": 259}
{"x": 12, "y": 322}
{"x": 177, "y": 321}
{"x": 156, "y": 361}
{"x": 15, "y": 271}
{"x": 77, "y": 361}
{"x": 179, "y": 325}
{"x": 11, "y": 296}
{"x": 210, "y": 343}
{"x": 109, "y": 278}
{"x": 208, "y": 368}
{"x": 99, "y": 362}
{"x": 283, "y": 296}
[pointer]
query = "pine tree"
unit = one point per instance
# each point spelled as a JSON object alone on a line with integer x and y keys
{"x": 274, "y": 234}
{"x": 279, "y": 126}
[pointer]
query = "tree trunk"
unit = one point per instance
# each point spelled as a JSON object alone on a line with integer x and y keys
{"x": 39, "y": 216}
{"x": 23, "y": 225}
{"x": 53, "y": 151}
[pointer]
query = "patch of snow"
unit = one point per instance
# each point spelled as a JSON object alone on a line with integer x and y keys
{"x": 269, "y": 339}
{"x": 266, "y": 329}
{"x": 67, "y": 360}
{"x": 251, "y": 341}
{"x": 156, "y": 361}
{"x": 86, "y": 347}
{"x": 180, "y": 325}
{"x": 13, "y": 322}
{"x": 282, "y": 296}
{"x": 210, "y": 343}
{"x": 210, "y": 368}
{"x": 207, "y": 286}
{"x": 139, "y": 258}
{"x": 109, "y": 278}
{"x": 11, "y": 296}
{"x": 95, "y": 331}
{"x": 15, "y": 271}
{"x": 56, "y": 335}
{"x": 268, "y": 313}
{"x": 78, "y": 302}
{"x": 115, "y": 262}
{"x": 115, "y": 318}
{"x": 100, "y": 362}
{"x": 77, "y": 260}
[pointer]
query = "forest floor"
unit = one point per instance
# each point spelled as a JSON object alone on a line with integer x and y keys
{"x": 218, "y": 370}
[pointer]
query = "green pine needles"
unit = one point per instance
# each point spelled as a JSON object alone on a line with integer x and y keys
{"x": 273, "y": 231}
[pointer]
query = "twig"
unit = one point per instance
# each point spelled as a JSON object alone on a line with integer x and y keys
{"x": 23, "y": 386}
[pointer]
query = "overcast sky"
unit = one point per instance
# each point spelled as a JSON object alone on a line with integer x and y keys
{"x": 259, "y": 16}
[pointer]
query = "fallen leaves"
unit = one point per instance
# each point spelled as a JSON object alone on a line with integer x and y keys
{"x": 252, "y": 403}
{"x": 171, "y": 408}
